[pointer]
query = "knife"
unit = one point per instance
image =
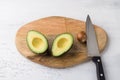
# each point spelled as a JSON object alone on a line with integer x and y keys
{"x": 93, "y": 49}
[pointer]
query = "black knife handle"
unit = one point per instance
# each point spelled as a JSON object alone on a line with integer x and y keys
{"x": 99, "y": 68}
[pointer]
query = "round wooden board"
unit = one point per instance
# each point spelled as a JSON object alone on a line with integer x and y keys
{"x": 50, "y": 27}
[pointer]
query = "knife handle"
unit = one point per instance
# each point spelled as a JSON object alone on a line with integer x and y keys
{"x": 99, "y": 67}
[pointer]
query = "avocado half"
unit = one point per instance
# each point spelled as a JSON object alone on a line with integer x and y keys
{"x": 37, "y": 42}
{"x": 61, "y": 44}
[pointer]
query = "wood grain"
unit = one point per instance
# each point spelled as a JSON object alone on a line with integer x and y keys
{"x": 50, "y": 27}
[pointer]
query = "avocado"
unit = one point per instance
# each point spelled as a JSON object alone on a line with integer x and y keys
{"x": 61, "y": 44}
{"x": 37, "y": 42}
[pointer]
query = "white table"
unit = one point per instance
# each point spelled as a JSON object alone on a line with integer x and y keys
{"x": 15, "y": 13}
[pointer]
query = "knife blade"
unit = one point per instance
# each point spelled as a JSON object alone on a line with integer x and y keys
{"x": 93, "y": 49}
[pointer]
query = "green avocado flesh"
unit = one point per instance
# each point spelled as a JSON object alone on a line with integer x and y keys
{"x": 37, "y": 42}
{"x": 62, "y": 44}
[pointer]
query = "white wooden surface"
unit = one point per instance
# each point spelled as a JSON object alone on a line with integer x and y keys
{"x": 15, "y": 13}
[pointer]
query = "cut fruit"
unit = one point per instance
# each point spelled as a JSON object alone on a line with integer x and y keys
{"x": 37, "y": 42}
{"x": 62, "y": 44}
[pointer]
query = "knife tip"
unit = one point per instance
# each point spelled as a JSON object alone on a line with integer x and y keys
{"x": 88, "y": 16}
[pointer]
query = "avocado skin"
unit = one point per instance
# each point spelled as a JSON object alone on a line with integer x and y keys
{"x": 69, "y": 47}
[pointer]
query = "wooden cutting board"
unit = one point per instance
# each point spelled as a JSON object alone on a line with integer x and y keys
{"x": 50, "y": 27}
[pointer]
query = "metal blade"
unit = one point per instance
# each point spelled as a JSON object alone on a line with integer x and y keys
{"x": 92, "y": 44}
